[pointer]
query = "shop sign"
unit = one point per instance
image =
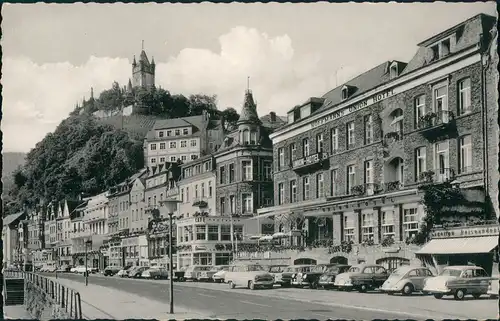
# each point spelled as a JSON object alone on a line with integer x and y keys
{"x": 311, "y": 159}
{"x": 466, "y": 232}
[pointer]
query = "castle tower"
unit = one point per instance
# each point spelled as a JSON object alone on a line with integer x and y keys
{"x": 249, "y": 122}
{"x": 143, "y": 71}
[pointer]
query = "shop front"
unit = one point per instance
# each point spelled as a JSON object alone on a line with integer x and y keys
{"x": 462, "y": 245}
{"x": 135, "y": 250}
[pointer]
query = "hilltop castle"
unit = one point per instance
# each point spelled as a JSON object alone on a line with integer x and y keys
{"x": 143, "y": 72}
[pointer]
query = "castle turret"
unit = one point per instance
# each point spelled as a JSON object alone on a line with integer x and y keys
{"x": 249, "y": 122}
{"x": 143, "y": 73}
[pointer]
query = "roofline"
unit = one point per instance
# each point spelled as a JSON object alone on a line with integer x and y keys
{"x": 450, "y": 30}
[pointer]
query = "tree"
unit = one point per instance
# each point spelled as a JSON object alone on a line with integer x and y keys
{"x": 199, "y": 103}
{"x": 112, "y": 99}
{"x": 230, "y": 115}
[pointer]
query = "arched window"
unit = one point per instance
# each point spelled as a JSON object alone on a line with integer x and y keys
{"x": 393, "y": 71}
{"x": 246, "y": 136}
{"x": 397, "y": 117}
{"x": 253, "y": 137}
{"x": 345, "y": 93}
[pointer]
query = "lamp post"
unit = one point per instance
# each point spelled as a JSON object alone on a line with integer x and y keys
{"x": 87, "y": 243}
{"x": 171, "y": 206}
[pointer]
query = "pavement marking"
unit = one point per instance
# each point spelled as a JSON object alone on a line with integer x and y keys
{"x": 262, "y": 305}
{"x": 211, "y": 296}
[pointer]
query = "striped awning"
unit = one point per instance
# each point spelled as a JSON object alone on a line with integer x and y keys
{"x": 460, "y": 245}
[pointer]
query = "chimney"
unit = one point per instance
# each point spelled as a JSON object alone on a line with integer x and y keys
{"x": 273, "y": 116}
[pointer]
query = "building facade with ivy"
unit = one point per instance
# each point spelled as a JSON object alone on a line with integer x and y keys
{"x": 362, "y": 173}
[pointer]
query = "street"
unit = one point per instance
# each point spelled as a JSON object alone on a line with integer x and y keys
{"x": 278, "y": 303}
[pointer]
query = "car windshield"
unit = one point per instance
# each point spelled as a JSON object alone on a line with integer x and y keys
{"x": 332, "y": 269}
{"x": 354, "y": 269}
{"x": 318, "y": 268}
{"x": 451, "y": 272}
{"x": 252, "y": 268}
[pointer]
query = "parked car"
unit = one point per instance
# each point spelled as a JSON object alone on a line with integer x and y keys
{"x": 81, "y": 269}
{"x": 277, "y": 271}
{"x": 111, "y": 270}
{"x": 64, "y": 268}
{"x": 193, "y": 272}
{"x": 289, "y": 273}
{"x": 72, "y": 269}
{"x": 310, "y": 278}
{"x": 156, "y": 273}
{"x": 327, "y": 279}
{"x": 406, "y": 280}
{"x": 249, "y": 275}
{"x": 123, "y": 273}
{"x": 220, "y": 276}
{"x": 179, "y": 274}
{"x": 362, "y": 277}
{"x": 51, "y": 269}
{"x": 136, "y": 271}
{"x": 459, "y": 281}
{"x": 207, "y": 276}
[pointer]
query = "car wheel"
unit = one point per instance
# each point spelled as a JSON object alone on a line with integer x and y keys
{"x": 438, "y": 295}
{"x": 459, "y": 294}
{"x": 407, "y": 289}
{"x": 231, "y": 285}
{"x": 363, "y": 288}
{"x": 476, "y": 295}
{"x": 251, "y": 285}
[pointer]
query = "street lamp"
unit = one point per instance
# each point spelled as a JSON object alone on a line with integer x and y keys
{"x": 87, "y": 243}
{"x": 171, "y": 206}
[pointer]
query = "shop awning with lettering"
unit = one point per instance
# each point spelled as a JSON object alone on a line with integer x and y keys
{"x": 462, "y": 245}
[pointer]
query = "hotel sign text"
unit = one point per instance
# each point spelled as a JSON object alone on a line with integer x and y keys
{"x": 311, "y": 159}
{"x": 451, "y": 232}
{"x": 351, "y": 109}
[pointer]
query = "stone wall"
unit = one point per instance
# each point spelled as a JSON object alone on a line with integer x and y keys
{"x": 40, "y": 306}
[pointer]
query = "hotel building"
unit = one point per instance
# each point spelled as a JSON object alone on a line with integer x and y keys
{"x": 348, "y": 165}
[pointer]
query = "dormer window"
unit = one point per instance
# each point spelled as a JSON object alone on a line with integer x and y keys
{"x": 393, "y": 70}
{"x": 445, "y": 47}
{"x": 345, "y": 92}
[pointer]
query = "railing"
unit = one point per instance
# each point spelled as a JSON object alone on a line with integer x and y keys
{"x": 66, "y": 298}
{"x": 435, "y": 119}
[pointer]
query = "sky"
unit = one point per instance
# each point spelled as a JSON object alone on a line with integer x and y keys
{"x": 54, "y": 53}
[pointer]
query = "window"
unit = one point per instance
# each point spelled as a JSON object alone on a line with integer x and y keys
{"x": 253, "y": 138}
{"x": 172, "y": 159}
{"x": 193, "y": 142}
{"x": 162, "y": 160}
{"x": 348, "y": 228}
{"x": 345, "y": 93}
{"x": 160, "y": 134}
{"x": 281, "y": 193}
{"x": 335, "y": 140}
{"x": 464, "y": 97}
{"x": 350, "y": 134}
{"x": 293, "y": 191}
{"x": 177, "y": 132}
{"x": 393, "y": 71}
{"x": 441, "y": 104}
{"x": 306, "y": 187}
{"x": 281, "y": 158}
{"x": 465, "y": 154}
{"x": 153, "y": 146}
{"x": 153, "y": 160}
{"x": 247, "y": 170}
{"x": 202, "y": 190}
{"x": 334, "y": 174}
{"x": 319, "y": 143}
{"x": 419, "y": 109}
{"x": 183, "y": 158}
{"x": 369, "y": 177}
{"x": 213, "y": 232}
{"x": 209, "y": 188}
{"x": 225, "y": 233}
{"x": 194, "y": 156}
{"x": 442, "y": 161}
{"x": 410, "y": 222}
{"x": 196, "y": 191}
{"x": 231, "y": 173}
{"x": 320, "y": 185}
{"x": 162, "y": 145}
{"x": 305, "y": 147}
{"x": 293, "y": 152}
{"x": 222, "y": 175}
{"x": 232, "y": 204}
{"x": 420, "y": 162}
{"x": 351, "y": 178}
{"x": 185, "y": 131}
{"x": 367, "y": 226}
{"x": 247, "y": 203}
{"x": 173, "y": 145}
{"x": 187, "y": 194}
{"x": 388, "y": 224}
{"x": 183, "y": 143}
{"x": 268, "y": 171}
{"x": 201, "y": 232}
{"x": 169, "y": 133}
{"x": 368, "y": 129}
{"x": 222, "y": 205}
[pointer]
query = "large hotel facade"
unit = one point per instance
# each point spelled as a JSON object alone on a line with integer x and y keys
{"x": 348, "y": 165}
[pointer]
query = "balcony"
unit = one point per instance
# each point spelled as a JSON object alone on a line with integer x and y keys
{"x": 441, "y": 175}
{"x": 389, "y": 187}
{"x": 200, "y": 202}
{"x": 367, "y": 189}
{"x": 311, "y": 162}
{"x": 437, "y": 125}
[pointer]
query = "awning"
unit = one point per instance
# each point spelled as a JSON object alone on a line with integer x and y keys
{"x": 462, "y": 245}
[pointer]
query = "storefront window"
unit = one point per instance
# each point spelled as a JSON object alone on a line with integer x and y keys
{"x": 223, "y": 258}
{"x": 410, "y": 222}
{"x": 225, "y": 233}
{"x": 213, "y": 232}
{"x": 388, "y": 223}
{"x": 202, "y": 259}
{"x": 348, "y": 228}
{"x": 200, "y": 232}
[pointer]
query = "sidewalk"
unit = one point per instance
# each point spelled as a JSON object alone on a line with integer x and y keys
{"x": 100, "y": 302}
{"x": 16, "y": 312}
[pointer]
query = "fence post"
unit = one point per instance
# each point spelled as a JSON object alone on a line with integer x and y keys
{"x": 79, "y": 315}
{"x": 71, "y": 305}
{"x": 62, "y": 293}
{"x": 52, "y": 289}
